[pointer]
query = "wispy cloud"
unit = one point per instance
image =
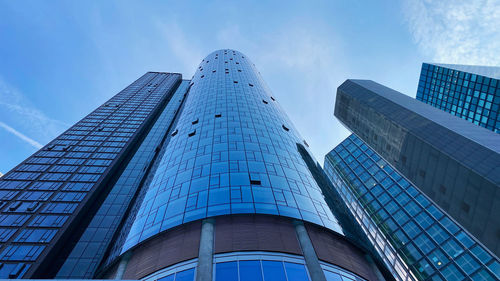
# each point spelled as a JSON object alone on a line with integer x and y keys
{"x": 20, "y": 135}
{"x": 461, "y": 31}
{"x": 15, "y": 107}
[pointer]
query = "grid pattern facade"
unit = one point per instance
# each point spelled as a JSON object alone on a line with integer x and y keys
{"x": 90, "y": 249}
{"x": 232, "y": 151}
{"x": 471, "y": 96}
{"x": 432, "y": 245}
{"x": 42, "y": 198}
{"x": 454, "y": 162}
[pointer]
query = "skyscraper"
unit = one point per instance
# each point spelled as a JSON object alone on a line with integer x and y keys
{"x": 400, "y": 219}
{"x": 204, "y": 178}
{"x": 467, "y": 91}
{"x": 454, "y": 162}
{"x": 49, "y": 198}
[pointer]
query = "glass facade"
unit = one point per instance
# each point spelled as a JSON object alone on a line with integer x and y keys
{"x": 88, "y": 252}
{"x": 44, "y": 197}
{"x": 469, "y": 92}
{"x": 453, "y": 161}
{"x": 392, "y": 210}
{"x": 254, "y": 266}
{"x": 231, "y": 151}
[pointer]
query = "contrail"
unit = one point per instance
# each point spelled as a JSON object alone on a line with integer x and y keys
{"x": 32, "y": 142}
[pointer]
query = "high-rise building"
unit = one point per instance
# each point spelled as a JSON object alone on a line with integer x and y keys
{"x": 467, "y": 91}
{"x": 454, "y": 162}
{"x": 202, "y": 179}
{"x": 56, "y": 194}
{"x": 401, "y": 220}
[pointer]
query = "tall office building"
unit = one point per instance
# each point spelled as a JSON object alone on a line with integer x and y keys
{"x": 401, "y": 220}
{"x": 469, "y": 92}
{"x": 175, "y": 179}
{"x": 454, "y": 162}
{"x": 395, "y": 214}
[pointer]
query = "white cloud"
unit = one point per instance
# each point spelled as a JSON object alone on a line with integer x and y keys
{"x": 461, "y": 31}
{"x": 20, "y": 135}
{"x": 15, "y": 107}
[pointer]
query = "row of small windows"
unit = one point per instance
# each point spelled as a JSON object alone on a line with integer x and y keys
{"x": 438, "y": 72}
{"x": 49, "y": 196}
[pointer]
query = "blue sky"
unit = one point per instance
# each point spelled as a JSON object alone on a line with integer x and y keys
{"x": 61, "y": 59}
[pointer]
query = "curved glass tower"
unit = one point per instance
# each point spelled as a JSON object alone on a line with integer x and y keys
{"x": 232, "y": 151}
{"x": 233, "y": 180}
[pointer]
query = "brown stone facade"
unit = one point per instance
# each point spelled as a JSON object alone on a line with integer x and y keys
{"x": 237, "y": 233}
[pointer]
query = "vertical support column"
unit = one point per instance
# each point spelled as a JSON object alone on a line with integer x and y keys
{"x": 122, "y": 266}
{"x": 205, "y": 254}
{"x": 312, "y": 262}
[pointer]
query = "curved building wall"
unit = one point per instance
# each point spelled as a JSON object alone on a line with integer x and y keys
{"x": 252, "y": 237}
{"x": 233, "y": 151}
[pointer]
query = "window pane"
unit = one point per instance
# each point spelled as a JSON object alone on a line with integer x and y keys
{"x": 296, "y": 272}
{"x": 250, "y": 271}
{"x": 186, "y": 275}
{"x": 273, "y": 271}
{"x": 226, "y": 271}
{"x": 330, "y": 276}
{"x": 167, "y": 278}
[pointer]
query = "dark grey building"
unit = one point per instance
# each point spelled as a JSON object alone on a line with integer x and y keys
{"x": 70, "y": 185}
{"x": 467, "y": 91}
{"x": 454, "y": 162}
{"x": 201, "y": 179}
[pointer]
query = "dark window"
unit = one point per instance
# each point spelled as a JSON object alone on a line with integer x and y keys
{"x": 192, "y": 133}
{"x": 285, "y": 128}
{"x": 255, "y": 179}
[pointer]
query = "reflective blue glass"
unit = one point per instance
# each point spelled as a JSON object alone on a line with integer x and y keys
{"x": 475, "y": 98}
{"x": 254, "y": 266}
{"x": 232, "y": 150}
{"x": 296, "y": 272}
{"x": 427, "y": 241}
{"x": 250, "y": 271}
{"x": 331, "y": 276}
{"x": 273, "y": 270}
{"x": 186, "y": 275}
{"x": 77, "y": 165}
{"x": 167, "y": 278}
{"x": 107, "y": 218}
{"x": 226, "y": 271}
